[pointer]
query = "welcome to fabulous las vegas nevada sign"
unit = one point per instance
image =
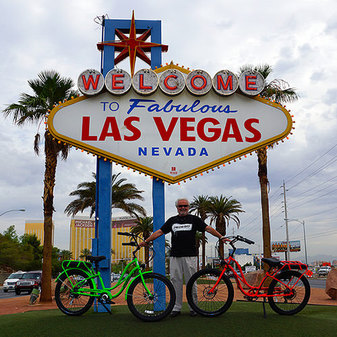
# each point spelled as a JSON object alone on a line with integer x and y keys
{"x": 171, "y": 123}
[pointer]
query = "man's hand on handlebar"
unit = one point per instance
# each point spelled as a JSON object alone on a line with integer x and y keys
{"x": 143, "y": 244}
{"x": 224, "y": 239}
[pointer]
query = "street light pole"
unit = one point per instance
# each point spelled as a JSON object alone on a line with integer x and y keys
{"x": 305, "y": 244}
{"x": 304, "y": 238}
{"x": 13, "y": 210}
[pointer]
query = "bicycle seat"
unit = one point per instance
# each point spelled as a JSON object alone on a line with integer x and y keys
{"x": 271, "y": 261}
{"x": 95, "y": 258}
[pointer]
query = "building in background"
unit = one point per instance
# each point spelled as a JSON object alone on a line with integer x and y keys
{"x": 37, "y": 227}
{"x": 120, "y": 252}
{"x": 242, "y": 256}
{"x": 82, "y": 231}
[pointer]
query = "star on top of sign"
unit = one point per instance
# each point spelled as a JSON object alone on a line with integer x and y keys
{"x": 132, "y": 45}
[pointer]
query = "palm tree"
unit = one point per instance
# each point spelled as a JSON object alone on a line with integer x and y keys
{"x": 84, "y": 253}
{"x": 144, "y": 227}
{"x": 199, "y": 206}
{"x": 222, "y": 210}
{"x": 86, "y": 198}
{"x": 200, "y": 238}
{"x": 65, "y": 255}
{"x": 48, "y": 89}
{"x": 279, "y": 91}
{"x": 167, "y": 256}
{"x": 121, "y": 193}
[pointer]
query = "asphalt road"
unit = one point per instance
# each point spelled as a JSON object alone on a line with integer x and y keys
{"x": 10, "y": 294}
{"x": 317, "y": 282}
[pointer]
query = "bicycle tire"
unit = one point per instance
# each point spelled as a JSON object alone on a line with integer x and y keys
{"x": 69, "y": 302}
{"x": 156, "y": 306}
{"x": 205, "y": 303}
{"x": 297, "y": 300}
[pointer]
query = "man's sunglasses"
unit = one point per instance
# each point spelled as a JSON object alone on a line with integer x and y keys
{"x": 180, "y": 206}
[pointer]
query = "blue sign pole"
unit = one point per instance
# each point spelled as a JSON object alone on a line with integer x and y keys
{"x": 158, "y": 186}
{"x": 158, "y": 201}
{"x": 102, "y": 242}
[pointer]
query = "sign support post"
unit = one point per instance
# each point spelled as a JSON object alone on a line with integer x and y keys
{"x": 102, "y": 242}
{"x": 158, "y": 201}
{"x": 158, "y": 185}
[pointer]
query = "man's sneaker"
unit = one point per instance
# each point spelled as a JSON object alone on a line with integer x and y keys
{"x": 175, "y": 313}
{"x": 193, "y": 313}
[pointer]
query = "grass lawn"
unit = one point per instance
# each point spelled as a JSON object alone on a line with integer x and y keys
{"x": 242, "y": 319}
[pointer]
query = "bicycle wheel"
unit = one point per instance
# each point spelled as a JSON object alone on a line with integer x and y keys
{"x": 294, "y": 299}
{"x": 202, "y": 300}
{"x": 66, "y": 298}
{"x": 156, "y": 305}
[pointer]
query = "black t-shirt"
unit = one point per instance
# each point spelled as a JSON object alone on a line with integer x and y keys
{"x": 183, "y": 229}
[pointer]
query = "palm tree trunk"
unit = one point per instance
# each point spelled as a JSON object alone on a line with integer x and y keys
{"x": 203, "y": 250}
{"x": 48, "y": 208}
{"x": 147, "y": 255}
{"x": 262, "y": 160}
{"x": 220, "y": 226}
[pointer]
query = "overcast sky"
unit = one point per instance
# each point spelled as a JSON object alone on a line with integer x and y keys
{"x": 297, "y": 38}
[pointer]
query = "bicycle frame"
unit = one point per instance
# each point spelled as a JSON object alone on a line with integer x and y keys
{"x": 99, "y": 288}
{"x": 260, "y": 290}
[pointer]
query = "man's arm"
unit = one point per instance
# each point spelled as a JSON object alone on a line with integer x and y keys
{"x": 152, "y": 237}
{"x": 214, "y": 232}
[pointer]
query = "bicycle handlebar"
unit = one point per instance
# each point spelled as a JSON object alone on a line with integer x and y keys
{"x": 240, "y": 238}
{"x": 133, "y": 242}
{"x": 125, "y": 233}
{"x": 130, "y": 244}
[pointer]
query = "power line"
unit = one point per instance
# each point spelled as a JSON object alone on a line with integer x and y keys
{"x": 314, "y": 193}
{"x": 313, "y": 199}
{"x": 315, "y": 172}
{"x": 311, "y": 164}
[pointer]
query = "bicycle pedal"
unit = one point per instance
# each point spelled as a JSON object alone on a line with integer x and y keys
{"x": 105, "y": 301}
{"x": 107, "y": 309}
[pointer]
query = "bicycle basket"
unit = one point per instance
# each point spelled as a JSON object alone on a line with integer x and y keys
{"x": 294, "y": 265}
{"x": 66, "y": 264}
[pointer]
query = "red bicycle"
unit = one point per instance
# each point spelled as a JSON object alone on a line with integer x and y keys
{"x": 210, "y": 291}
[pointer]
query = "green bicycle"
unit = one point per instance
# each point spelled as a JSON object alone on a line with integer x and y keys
{"x": 150, "y": 296}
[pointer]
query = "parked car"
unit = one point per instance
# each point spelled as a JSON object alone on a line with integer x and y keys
{"x": 324, "y": 270}
{"x": 115, "y": 277}
{"x": 9, "y": 283}
{"x": 29, "y": 280}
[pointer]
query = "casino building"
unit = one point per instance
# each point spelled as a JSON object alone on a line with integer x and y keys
{"x": 82, "y": 230}
{"x": 37, "y": 227}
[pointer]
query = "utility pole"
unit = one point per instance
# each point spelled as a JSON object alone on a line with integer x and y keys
{"x": 305, "y": 244}
{"x": 286, "y": 220}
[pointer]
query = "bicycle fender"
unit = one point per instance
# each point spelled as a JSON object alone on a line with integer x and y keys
{"x": 64, "y": 272}
{"x": 136, "y": 278}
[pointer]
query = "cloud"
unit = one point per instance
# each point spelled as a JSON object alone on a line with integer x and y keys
{"x": 330, "y": 96}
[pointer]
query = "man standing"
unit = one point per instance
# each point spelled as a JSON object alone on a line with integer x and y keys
{"x": 183, "y": 262}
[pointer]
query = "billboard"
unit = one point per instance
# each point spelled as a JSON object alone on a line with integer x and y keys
{"x": 281, "y": 246}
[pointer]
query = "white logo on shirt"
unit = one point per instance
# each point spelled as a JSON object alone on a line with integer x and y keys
{"x": 181, "y": 227}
